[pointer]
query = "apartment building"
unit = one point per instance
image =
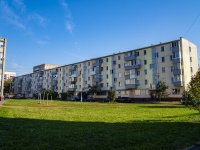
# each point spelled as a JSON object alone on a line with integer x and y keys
{"x": 133, "y": 73}
{"x": 2, "y": 64}
{"x": 9, "y": 75}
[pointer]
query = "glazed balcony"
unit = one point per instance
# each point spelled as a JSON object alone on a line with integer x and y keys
{"x": 73, "y": 68}
{"x": 128, "y": 58}
{"x": 96, "y": 63}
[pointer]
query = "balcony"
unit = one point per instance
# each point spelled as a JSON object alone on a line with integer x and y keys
{"x": 96, "y": 79}
{"x": 96, "y": 63}
{"x": 72, "y": 68}
{"x": 127, "y": 77}
{"x": 130, "y": 86}
{"x": 177, "y": 71}
{"x": 72, "y": 88}
{"x": 176, "y": 60}
{"x": 132, "y": 67}
{"x": 175, "y": 49}
{"x": 54, "y": 83}
{"x": 54, "y": 71}
{"x": 178, "y": 83}
{"x": 73, "y": 75}
{"x": 92, "y": 72}
{"x": 127, "y": 58}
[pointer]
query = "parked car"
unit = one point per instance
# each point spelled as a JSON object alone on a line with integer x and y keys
{"x": 74, "y": 98}
{"x": 90, "y": 98}
{"x": 123, "y": 99}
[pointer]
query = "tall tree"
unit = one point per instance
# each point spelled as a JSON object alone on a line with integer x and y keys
{"x": 192, "y": 95}
{"x": 161, "y": 90}
{"x": 7, "y": 86}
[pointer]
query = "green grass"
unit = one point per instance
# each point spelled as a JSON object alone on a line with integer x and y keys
{"x": 24, "y": 124}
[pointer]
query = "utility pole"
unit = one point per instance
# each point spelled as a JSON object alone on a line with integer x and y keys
{"x": 2, "y": 64}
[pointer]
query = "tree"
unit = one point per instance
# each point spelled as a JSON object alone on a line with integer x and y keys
{"x": 92, "y": 89}
{"x": 161, "y": 90}
{"x": 7, "y": 86}
{"x": 111, "y": 95}
{"x": 50, "y": 93}
{"x": 192, "y": 95}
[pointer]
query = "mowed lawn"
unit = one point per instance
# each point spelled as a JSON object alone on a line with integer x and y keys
{"x": 24, "y": 124}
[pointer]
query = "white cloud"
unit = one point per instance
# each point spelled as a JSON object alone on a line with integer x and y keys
{"x": 19, "y": 4}
{"x": 78, "y": 56}
{"x": 14, "y": 65}
{"x": 38, "y": 18}
{"x": 40, "y": 42}
{"x": 69, "y": 26}
{"x": 10, "y": 16}
{"x": 68, "y": 17}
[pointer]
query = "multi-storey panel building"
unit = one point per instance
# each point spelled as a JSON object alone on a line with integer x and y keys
{"x": 133, "y": 73}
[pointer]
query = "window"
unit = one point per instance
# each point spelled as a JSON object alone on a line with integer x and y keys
{"x": 174, "y": 44}
{"x": 119, "y": 57}
{"x": 191, "y": 69}
{"x": 88, "y": 63}
{"x": 106, "y": 59}
{"x": 145, "y": 52}
{"x": 137, "y": 53}
{"x": 107, "y": 76}
{"x": 137, "y": 73}
{"x": 114, "y": 62}
{"x": 115, "y": 79}
{"x": 190, "y": 59}
{"x": 170, "y": 57}
{"x": 106, "y": 67}
{"x": 163, "y": 69}
{"x": 163, "y": 59}
{"x": 146, "y": 81}
{"x": 111, "y": 71}
{"x": 137, "y": 92}
{"x": 145, "y": 62}
{"x": 119, "y": 75}
{"x": 175, "y": 91}
{"x": 101, "y": 68}
{"x": 107, "y": 84}
{"x": 162, "y": 49}
{"x": 119, "y": 65}
{"x": 151, "y": 66}
{"x": 88, "y": 78}
{"x": 172, "y": 68}
{"x": 126, "y": 92}
{"x": 119, "y": 84}
{"x": 190, "y": 49}
{"x": 156, "y": 55}
{"x": 145, "y": 71}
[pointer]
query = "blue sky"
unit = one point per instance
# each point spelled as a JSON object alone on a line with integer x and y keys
{"x": 67, "y": 31}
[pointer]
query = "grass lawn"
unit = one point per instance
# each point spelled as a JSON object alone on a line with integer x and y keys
{"x": 24, "y": 124}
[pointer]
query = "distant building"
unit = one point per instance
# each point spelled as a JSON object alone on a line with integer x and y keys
{"x": 9, "y": 75}
{"x": 43, "y": 67}
{"x": 2, "y": 64}
{"x": 132, "y": 73}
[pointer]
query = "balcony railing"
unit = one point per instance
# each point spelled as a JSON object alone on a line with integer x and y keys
{"x": 130, "y": 86}
{"x": 178, "y": 83}
{"x": 175, "y": 49}
{"x": 72, "y": 68}
{"x": 176, "y": 60}
{"x": 132, "y": 67}
{"x": 177, "y": 71}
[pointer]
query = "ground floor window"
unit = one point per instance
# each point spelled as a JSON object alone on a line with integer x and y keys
{"x": 175, "y": 91}
{"x": 137, "y": 92}
{"x": 126, "y": 92}
{"x": 146, "y": 92}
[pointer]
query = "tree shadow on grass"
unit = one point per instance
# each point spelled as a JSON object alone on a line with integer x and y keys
{"x": 164, "y": 106}
{"x": 18, "y": 133}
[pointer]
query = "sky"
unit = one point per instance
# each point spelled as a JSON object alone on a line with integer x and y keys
{"x": 67, "y": 31}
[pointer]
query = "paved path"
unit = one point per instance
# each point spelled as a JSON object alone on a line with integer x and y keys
{"x": 1, "y": 102}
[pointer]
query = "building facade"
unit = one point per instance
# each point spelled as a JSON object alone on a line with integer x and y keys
{"x": 2, "y": 64}
{"x": 133, "y": 73}
{"x": 9, "y": 75}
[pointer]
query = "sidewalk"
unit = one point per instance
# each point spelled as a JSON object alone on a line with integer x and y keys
{"x": 1, "y": 102}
